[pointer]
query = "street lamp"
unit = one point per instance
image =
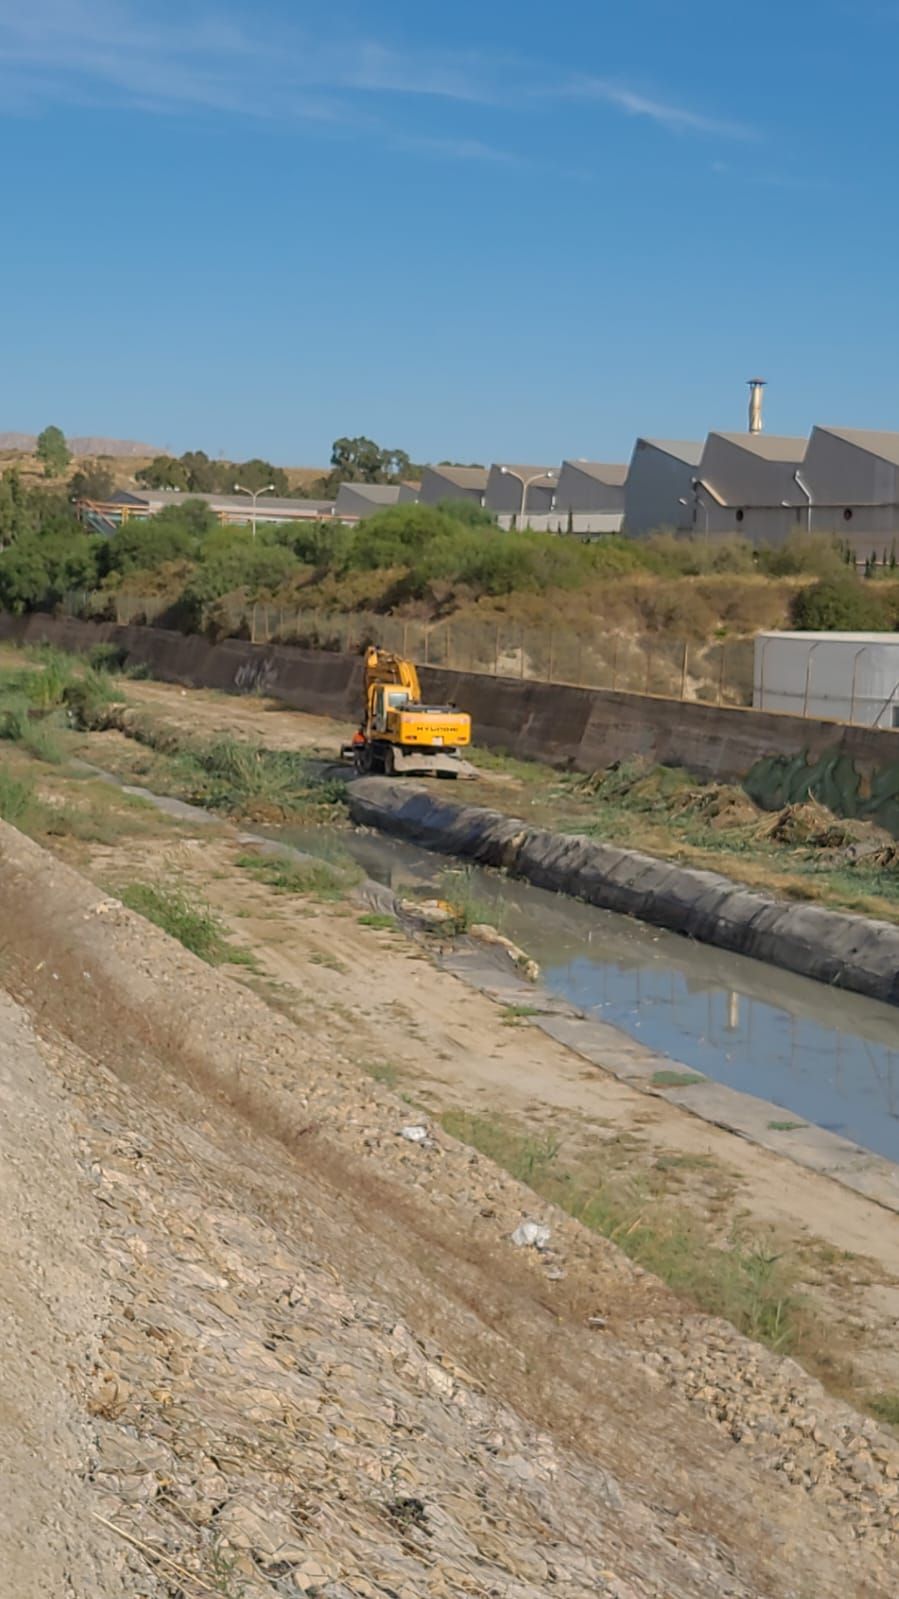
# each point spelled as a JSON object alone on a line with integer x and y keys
{"x": 538, "y": 477}
{"x": 254, "y": 495}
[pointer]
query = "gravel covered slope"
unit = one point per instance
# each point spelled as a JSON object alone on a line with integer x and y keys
{"x": 325, "y": 1368}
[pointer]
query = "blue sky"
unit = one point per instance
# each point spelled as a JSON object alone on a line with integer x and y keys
{"x": 496, "y": 229}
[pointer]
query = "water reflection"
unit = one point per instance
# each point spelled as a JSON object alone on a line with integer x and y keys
{"x": 826, "y": 1056}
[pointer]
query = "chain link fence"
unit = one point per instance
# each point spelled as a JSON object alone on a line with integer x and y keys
{"x": 718, "y": 673}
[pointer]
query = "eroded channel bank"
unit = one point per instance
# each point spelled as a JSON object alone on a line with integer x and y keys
{"x": 832, "y": 947}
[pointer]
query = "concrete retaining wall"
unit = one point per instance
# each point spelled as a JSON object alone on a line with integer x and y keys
{"x": 830, "y": 946}
{"x": 577, "y": 727}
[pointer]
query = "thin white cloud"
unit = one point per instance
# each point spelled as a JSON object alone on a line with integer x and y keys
{"x": 676, "y": 118}
{"x": 108, "y": 52}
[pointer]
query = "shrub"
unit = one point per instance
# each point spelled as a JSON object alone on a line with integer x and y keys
{"x": 139, "y": 545}
{"x": 396, "y": 536}
{"x": 468, "y": 512}
{"x": 842, "y": 604}
{"x": 818, "y": 554}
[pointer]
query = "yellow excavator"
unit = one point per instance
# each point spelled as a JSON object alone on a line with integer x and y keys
{"x": 398, "y": 733}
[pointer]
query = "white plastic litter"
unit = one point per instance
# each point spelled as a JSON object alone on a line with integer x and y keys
{"x": 531, "y": 1235}
{"x": 416, "y": 1135}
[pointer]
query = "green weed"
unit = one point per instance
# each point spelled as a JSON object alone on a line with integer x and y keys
{"x": 457, "y": 886}
{"x": 184, "y": 917}
{"x": 314, "y": 878}
{"x": 516, "y": 1013}
{"x": 379, "y": 920}
{"x": 786, "y": 1127}
{"x": 17, "y": 798}
{"x": 383, "y": 1071}
{"x": 43, "y": 741}
{"x": 322, "y": 957}
{"x": 88, "y": 697}
{"x": 745, "y": 1283}
{"x": 668, "y": 1079}
{"x": 885, "y": 1407}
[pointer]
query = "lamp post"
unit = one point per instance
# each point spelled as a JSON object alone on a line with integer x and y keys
{"x": 525, "y": 482}
{"x": 254, "y": 495}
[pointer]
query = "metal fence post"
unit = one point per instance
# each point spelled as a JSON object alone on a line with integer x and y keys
{"x": 721, "y": 674}
{"x": 683, "y": 672}
{"x": 496, "y": 651}
{"x": 615, "y": 664}
{"x": 552, "y": 646}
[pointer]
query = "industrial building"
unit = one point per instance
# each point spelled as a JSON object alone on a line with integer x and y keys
{"x": 746, "y": 484}
{"x": 355, "y": 501}
{"x": 658, "y": 492}
{"x": 445, "y": 482}
{"x": 852, "y": 483}
{"x": 591, "y": 486}
{"x": 520, "y": 491}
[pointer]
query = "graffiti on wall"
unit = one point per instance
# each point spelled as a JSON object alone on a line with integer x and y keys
{"x": 834, "y": 780}
{"x": 257, "y": 676}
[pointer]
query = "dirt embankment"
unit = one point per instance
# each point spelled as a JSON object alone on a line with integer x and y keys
{"x": 324, "y": 1365}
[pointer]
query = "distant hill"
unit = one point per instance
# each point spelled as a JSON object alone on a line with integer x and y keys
{"x": 26, "y": 442}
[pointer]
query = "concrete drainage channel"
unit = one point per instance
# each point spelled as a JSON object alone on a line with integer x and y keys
{"x": 595, "y": 964}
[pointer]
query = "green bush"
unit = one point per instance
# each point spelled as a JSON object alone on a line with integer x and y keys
{"x": 396, "y": 536}
{"x": 170, "y": 536}
{"x": 843, "y": 604}
{"x": 468, "y": 512}
{"x": 242, "y": 563}
{"x": 818, "y": 554}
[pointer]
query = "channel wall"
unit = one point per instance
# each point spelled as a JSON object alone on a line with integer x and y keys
{"x": 580, "y": 728}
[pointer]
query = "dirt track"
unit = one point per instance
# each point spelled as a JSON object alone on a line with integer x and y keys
{"x": 324, "y": 1366}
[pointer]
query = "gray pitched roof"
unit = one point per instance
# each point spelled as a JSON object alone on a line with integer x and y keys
{"x": 884, "y": 445}
{"x": 687, "y": 450}
{"x": 612, "y": 472}
{"x": 378, "y": 493}
{"x": 767, "y": 446}
{"x": 464, "y": 477}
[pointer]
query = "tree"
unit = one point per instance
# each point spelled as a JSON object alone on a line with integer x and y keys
{"x": 257, "y": 474}
{"x": 143, "y": 546}
{"x": 92, "y": 481}
{"x": 53, "y": 451}
{"x": 17, "y": 515}
{"x": 201, "y": 475}
{"x": 361, "y": 460}
{"x": 163, "y": 472}
{"x": 23, "y": 575}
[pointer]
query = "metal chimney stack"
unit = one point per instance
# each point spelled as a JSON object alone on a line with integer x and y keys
{"x": 756, "y": 385}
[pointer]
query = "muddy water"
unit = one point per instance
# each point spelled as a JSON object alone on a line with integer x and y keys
{"x": 827, "y": 1057}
